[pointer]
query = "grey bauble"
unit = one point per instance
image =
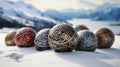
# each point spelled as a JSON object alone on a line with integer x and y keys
{"x": 87, "y": 41}
{"x": 41, "y": 40}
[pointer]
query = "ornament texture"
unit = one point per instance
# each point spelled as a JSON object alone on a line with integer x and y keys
{"x": 105, "y": 38}
{"x": 62, "y": 38}
{"x": 25, "y": 37}
{"x": 41, "y": 40}
{"x": 81, "y": 27}
{"x": 9, "y": 39}
{"x": 87, "y": 41}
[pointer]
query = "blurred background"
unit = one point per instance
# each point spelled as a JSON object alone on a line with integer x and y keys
{"x": 40, "y": 14}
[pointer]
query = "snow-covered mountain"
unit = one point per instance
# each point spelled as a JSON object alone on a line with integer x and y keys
{"x": 67, "y": 14}
{"x": 107, "y": 12}
{"x": 102, "y": 12}
{"x": 19, "y": 8}
{"x": 24, "y": 14}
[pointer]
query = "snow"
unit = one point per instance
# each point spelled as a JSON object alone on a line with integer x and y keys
{"x": 30, "y": 23}
{"x": 13, "y": 56}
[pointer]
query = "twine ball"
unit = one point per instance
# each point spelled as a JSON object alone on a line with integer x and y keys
{"x": 62, "y": 38}
{"x": 81, "y": 27}
{"x": 25, "y": 37}
{"x": 87, "y": 41}
{"x": 9, "y": 39}
{"x": 41, "y": 40}
{"x": 105, "y": 37}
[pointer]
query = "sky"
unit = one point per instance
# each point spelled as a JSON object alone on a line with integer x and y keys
{"x": 67, "y": 4}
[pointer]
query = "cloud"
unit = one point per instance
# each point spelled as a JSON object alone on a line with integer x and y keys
{"x": 87, "y": 2}
{"x": 66, "y": 4}
{"x": 55, "y": 4}
{"x": 94, "y": 3}
{"x": 97, "y": 2}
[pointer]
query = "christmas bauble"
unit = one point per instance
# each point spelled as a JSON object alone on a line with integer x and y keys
{"x": 62, "y": 38}
{"x": 80, "y": 27}
{"x": 105, "y": 38}
{"x": 41, "y": 40}
{"x": 25, "y": 37}
{"x": 9, "y": 39}
{"x": 87, "y": 41}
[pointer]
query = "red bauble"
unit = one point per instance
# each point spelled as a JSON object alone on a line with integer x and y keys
{"x": 25, "y": 37}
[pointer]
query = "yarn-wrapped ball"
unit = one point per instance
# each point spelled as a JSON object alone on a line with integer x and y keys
{"x": 105, "y": 37}
{"x": 25, "y": 37}
{"x": 62, "y": 38}
{"x": 81, "y": 27}
{"x": 87, "y": 41}
{"x": 9, "y": 39}
{"x": 41, "y": 40}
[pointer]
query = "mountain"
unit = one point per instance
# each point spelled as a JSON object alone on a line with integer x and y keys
{"x": 19, "y": 14}
{"x": 67, "y": 14}
{"x": 110, "y": 12}
{"x": 106, "y": 12}
{"x": 19, "y": 8}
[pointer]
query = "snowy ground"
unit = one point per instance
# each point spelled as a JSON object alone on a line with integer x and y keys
{"x": 19, "y": 57}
